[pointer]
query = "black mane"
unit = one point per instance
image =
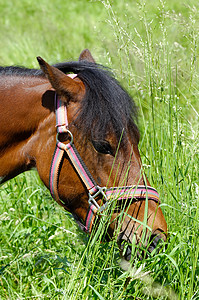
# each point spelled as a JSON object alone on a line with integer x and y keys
{"x": 19, "y": 71}
{"x": 106, "y": 106}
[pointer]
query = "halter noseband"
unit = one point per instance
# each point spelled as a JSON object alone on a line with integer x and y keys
{"x": 139, "y": 192}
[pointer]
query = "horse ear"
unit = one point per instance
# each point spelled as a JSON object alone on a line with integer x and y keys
{"x": 86, "y": 55}
{"x": 67, "y": 88}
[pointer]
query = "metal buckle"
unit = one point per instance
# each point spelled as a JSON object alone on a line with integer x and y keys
{"x": 91, "y": 199}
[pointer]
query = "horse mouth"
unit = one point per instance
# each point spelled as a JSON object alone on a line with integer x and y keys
{"x": 139, "y": 250}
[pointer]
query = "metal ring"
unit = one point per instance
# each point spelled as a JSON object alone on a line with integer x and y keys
{"x": 71, "y": 138}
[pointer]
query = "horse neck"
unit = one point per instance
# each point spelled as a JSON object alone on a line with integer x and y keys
{"x": 22, "y": 113}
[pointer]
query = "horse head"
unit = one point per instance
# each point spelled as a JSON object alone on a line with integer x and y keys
{"x": 99, "y": 159}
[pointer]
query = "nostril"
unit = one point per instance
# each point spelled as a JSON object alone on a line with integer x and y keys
{"x": 156, "y": 242}
{"x": 127, "y": 253}
{"x": 129, "y": 249}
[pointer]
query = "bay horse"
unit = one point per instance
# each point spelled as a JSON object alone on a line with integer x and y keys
{"x": 76, "y": 125}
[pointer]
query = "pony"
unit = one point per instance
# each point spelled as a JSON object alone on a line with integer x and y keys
{"x": 76, "y": 125}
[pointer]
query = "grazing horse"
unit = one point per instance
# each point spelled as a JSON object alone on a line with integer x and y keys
{"x": 76, "y": 125}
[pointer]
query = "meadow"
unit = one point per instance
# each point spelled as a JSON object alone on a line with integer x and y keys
{"x": 152, "y": 48}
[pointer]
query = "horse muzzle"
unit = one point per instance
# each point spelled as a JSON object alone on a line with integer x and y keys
{"x": 134, "y": 247}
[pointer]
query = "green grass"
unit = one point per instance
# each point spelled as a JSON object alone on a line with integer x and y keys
{"x": 153, "y": 50}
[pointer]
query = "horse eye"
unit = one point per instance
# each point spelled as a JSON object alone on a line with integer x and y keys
{"x": 103, "y": 147}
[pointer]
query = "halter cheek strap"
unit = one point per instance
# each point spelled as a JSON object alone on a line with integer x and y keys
{"x": 139, "y": 192}
{"x": 77, "y": 162}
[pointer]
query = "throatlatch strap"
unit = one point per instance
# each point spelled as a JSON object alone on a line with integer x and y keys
{"x": 54, "y": 174}
{"x": 90, "y": 217}
{"x": 61, "y": 124}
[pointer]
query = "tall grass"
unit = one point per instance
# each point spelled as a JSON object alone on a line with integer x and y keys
{"x": 153, "y": 48}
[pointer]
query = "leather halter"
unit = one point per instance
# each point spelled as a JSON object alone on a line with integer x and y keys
{"x": 139, "y": 192}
